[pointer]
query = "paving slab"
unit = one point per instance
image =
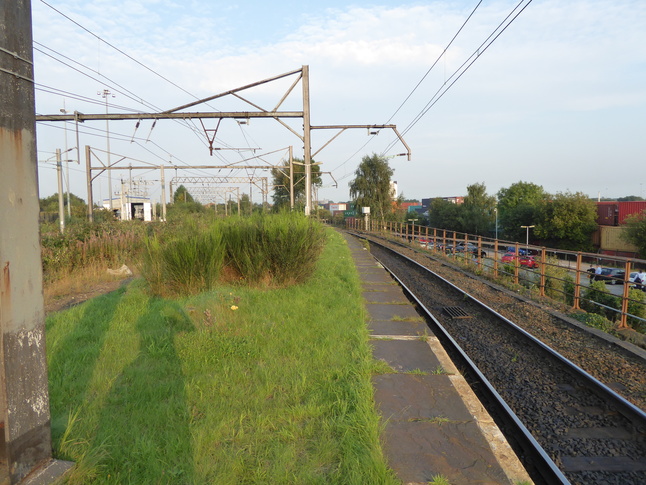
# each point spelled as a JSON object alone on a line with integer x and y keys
{"x": 385, "y": 311}
{"x": 390, "y": 328}
{"x": 433, "y": 423}
{"x": 406, "y": 355}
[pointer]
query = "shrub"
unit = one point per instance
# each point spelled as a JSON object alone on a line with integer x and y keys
{"x": 568, "y": 289}
{"x": 187, "y": 264}
{"x": 637, "y": 308}
{"x": 595, "y": 320}
{"x": 596, "y": 299}
{"x": 281, "y": 248}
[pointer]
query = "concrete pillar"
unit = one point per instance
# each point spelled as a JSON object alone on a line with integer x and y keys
{"x": 25, "y": 440}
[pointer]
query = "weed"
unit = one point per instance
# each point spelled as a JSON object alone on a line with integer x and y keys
{"x": 417, "y": 372}
{"x": 439, "y": 370}
{"x": 439, "y": 480}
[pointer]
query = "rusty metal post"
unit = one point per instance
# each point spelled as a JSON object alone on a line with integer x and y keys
{"x": 623, "y": 322}
{"x": 495, "y": 258}
{"x": 543, "y": 267}
{"x": 25, "y": 436}
{"x": 576, "y": 304}
{"x": 517, "y": 265}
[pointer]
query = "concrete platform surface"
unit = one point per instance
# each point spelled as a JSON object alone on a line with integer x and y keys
{"x": 434, "y": 424}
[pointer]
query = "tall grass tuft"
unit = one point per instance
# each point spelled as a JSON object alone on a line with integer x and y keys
{"x": 183, "y": 265}
{"x": 280, "y": 249}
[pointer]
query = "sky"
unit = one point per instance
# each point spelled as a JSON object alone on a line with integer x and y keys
{"x": 557, "y": 99}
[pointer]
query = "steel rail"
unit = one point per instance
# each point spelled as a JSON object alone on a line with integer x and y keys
{"x": 539, "y": 457}
{"x": 628, "y": 409}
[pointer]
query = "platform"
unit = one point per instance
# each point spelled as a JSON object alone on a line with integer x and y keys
{"x": 434, "y": 424}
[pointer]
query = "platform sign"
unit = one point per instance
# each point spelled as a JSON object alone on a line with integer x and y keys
{"x": 351, "y": 213}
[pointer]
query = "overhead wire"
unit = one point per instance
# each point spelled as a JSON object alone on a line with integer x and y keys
{"x": 416, "y": 86}
{"x": 460, "y": 71}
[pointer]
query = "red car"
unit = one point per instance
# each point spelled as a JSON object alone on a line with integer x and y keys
{"x": 527, "y": 261}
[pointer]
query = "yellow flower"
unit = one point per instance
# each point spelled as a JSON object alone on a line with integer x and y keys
{"x": 233, "y": 307}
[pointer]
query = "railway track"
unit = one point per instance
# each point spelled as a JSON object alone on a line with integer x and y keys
{"x": 567, "y": 426}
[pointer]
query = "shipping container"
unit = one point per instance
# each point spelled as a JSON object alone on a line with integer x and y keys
{"x": 611, "y": 240}
{"x": 607, "y": 213}
{"x": 629, "y": 208}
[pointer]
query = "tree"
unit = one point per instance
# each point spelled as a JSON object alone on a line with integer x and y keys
{"x": 181, "y": 195}
{"x": 518, "y": 206}
{"x": 50, "y": 204}
{"x": 635, "y": 231}
{"x": 630, "y": 198}
{"x": 567, "y": 221}
{"x": 476, "y": 213}
{"x": 281, "y": 183}
{"x": 443, "y": 214}
{"x": 371, "y": 186}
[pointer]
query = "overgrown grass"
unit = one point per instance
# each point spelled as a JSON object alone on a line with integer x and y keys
{"x": 273, "y": 250}
{"x": 236, "y": 385}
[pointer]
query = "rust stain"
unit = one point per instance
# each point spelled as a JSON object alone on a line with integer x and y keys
{"x": 5, "y": 290}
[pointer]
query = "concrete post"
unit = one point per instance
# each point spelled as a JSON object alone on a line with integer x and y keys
{"x": 25, "y": 439}
{"x": 61, "y": 202}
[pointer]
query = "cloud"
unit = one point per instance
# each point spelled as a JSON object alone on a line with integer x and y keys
{"x": 558, "y": 64}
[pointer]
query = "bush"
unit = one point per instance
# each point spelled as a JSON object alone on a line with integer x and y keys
{"x": 556, "y": 280}
{"x": 270, "y": 249}
{"x": 595, "y": 320}
{"x": 184, "y": 265}
{"x": 596, "y": 299}
{"x": 637, "y": 308}
{"x": 281, "y": 248}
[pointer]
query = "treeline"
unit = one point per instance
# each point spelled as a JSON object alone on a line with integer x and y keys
{"x": 562, "y": 220}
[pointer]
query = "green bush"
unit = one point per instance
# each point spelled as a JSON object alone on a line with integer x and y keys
{"x": 556, "y": 280}
{"x": 276, "y": 250}
{"x": 281, "y": 248}
{"x": 595, "y": 320}
{"x": 568, "y": 289}
{"x": 596, "y": 299}
{"x": 184, "y": 265}
{"x": 637, "y": 307}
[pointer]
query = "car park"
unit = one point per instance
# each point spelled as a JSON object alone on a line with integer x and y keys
{"x": 527, "y": 261}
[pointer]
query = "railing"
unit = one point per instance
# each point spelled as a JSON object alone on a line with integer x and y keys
{"x": 542, "y": 270}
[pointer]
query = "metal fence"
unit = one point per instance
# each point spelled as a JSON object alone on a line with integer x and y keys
{"x": 527, "y": 265}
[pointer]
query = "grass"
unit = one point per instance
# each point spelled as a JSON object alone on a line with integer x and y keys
{"x": 235, "y": 385}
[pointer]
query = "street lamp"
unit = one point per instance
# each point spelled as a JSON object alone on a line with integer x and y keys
{"x": 527, "y": 240}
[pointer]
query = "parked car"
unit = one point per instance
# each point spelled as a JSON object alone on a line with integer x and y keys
{"x": 471, "y": 248}
{"x": 522, "y": 251}
{"x": 527, "y": 261}
{"x": 614, "y": 276}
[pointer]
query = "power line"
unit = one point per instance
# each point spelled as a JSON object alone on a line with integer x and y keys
{"x": 464, "y": 67}
{"x": 415, "y": 88}
{"x": 119, "y": 50}
{"x": 436, "y": 61}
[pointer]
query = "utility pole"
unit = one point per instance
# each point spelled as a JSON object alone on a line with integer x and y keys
{"x": 163, "y": 195}
{"x": 67, "y": 166}
{"x": 307, "y": 143}
{"x": 105, "y": 95}
{"x": 61, "y": 203}
{"x": 291, "y": 177}
{"x": 25, "y": 431}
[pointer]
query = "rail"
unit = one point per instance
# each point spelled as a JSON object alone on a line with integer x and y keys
{"x": 542, "y": 271}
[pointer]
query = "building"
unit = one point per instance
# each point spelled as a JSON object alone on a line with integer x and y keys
{"x": 127, "y": 208}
